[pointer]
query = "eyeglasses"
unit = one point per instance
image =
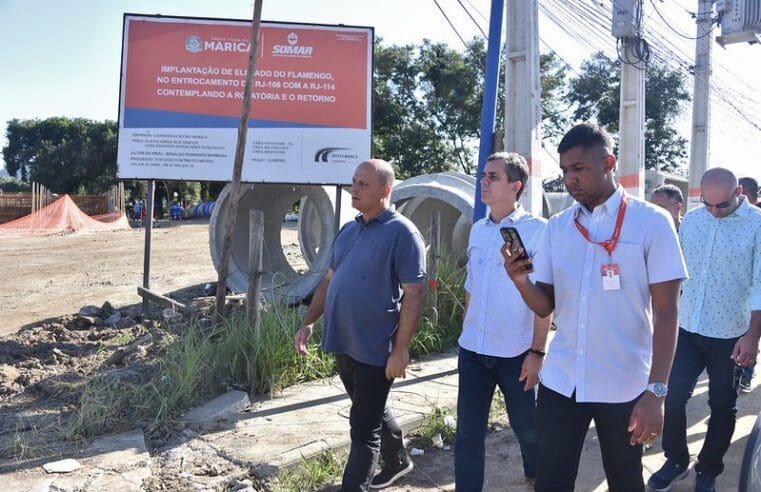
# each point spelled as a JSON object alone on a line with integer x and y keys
{"x": 726, "y": 204}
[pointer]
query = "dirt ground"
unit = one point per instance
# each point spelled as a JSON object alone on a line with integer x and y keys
{"x": 48, "y": 277}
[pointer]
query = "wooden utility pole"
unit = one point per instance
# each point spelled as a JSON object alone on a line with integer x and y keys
{"x": 231, "y": 209}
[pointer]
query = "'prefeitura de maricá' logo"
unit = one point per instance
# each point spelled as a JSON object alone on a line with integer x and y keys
{"x": 193, "y": 44}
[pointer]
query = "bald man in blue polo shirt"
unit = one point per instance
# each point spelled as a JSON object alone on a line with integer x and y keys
{"x": 371, "y": 299}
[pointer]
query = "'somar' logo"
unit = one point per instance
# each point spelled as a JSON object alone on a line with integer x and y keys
{"x": 292, "y": 49}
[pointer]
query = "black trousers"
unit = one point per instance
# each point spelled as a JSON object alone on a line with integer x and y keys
{"x": 374, "y": 430}
{"x": 563, "y": 423}
{"x": 693, "y": 354}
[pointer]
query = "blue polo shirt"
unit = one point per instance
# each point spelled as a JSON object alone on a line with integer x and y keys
{"x": 370, "y": 260}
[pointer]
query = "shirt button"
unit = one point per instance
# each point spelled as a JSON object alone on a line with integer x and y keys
{"x": 583, "y": 298}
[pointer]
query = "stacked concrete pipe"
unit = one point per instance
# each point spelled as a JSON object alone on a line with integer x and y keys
{"x": 279, "y": 281}
{"x": 417, "y": 198}
{"x": 450, "y": 194}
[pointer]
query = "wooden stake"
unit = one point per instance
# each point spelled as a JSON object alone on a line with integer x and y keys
{"x": 434, "y": 254}
{"x": 147, "y": 253}
{"x": 255, "y": 243}
{"x": 230, "y": 211}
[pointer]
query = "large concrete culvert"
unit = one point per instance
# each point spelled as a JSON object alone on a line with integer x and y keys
{"x": 450, "y": 194}
{"x": 316, "y": 231}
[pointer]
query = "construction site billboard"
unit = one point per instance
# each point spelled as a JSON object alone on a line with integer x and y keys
{"x": 181, "y": 94}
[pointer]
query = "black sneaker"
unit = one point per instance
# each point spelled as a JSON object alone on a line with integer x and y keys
{"x": 390, "y": 474}
{"x": 705, "y": 483}
{"x": 669, "y": 474}
{"x": 745, "y": 379}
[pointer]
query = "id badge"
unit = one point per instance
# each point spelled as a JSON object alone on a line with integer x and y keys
{"x": 611, "y": 279}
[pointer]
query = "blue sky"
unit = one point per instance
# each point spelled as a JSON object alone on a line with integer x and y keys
{"x": 63, "y": 57}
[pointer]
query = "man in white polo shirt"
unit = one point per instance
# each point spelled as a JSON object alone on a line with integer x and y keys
{"x": 610, "y": 268}
{"x": 502, "y": 341}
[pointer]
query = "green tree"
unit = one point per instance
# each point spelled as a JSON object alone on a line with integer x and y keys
{"x": 65, "y": 155}
{"x": 595, "y": 95}
{"x": 427, "y": 104}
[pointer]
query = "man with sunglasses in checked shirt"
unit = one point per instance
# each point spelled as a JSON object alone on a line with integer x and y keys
{"x": 720, "y": 324}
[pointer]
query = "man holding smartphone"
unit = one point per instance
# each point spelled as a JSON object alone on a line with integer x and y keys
{"x": 502, "y": 342}
{"x": 610, "y": 268}
{"x": 720, "y": 324}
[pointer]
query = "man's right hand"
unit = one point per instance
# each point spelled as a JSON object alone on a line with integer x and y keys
{"x": 301, "y": 338}
{"x": 516, "y": 269}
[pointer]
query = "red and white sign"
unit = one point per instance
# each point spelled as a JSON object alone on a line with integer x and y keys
{"x": 182, "y": 92}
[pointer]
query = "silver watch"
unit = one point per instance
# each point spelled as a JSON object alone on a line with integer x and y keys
{"x": 658, "y": 389}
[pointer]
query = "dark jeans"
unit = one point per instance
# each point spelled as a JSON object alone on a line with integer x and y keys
{"x": 374, "y": 430}
{"x": 693, "y": 354}
{"x": 479, "y": 375}
{"x": 563, "y": 424}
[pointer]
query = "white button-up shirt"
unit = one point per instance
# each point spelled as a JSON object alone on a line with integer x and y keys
{"x": 498, "y": 323}
{"x": 603, "y": 345}
{"x": 724, "y": 261}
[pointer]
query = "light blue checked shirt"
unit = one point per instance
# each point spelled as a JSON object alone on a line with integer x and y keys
{"x": 724, "y": 262}
{"x": 498, "y": 322}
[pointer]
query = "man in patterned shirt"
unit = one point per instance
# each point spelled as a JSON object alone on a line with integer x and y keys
{"x": 720, "y": 324}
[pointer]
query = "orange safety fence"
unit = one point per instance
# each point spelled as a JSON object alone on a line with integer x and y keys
{"x": 62, "y": 216}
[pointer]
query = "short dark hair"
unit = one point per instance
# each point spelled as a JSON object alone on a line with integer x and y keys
{"x": 516, "y": 168}
{"x": 671, "y": 191}
{"x": 750, "y": 186}
{"x": 585, "y": 135}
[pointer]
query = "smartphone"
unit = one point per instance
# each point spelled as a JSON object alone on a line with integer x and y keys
{"x": 511, "y": 237}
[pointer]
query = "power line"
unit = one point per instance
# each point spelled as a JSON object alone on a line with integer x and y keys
{"x": 450, "y": 23}
{"x": 678, "y": 33}
{"x": 474, "y": 20}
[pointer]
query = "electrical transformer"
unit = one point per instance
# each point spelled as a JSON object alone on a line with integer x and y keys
{"x": 740, "y": 21}
{"x": 627, "y": 15}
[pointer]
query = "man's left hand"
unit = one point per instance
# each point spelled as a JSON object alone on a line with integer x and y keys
{"x": 746, "y": 350}
{"x": 646, "y": 422}
{"x": 397, "y": 363}
{"x": 532, "y": 364}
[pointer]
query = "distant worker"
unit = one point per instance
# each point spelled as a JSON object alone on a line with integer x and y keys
{"x": 750, "y": 190}
{"x": 371, "y": 299}
{"x": 670, "y": 197}
{"x": 503, "y": 341}
{"x": 720, "y": 325}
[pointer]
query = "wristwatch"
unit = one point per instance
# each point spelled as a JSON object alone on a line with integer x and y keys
{"x": 658, "y": 389}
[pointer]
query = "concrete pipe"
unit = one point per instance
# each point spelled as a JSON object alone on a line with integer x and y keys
{"x": 311, "y": 232}
{"x": 280, "y": 280}
{"x": 451, "y": 194}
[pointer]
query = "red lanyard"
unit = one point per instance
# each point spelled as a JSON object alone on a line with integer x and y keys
{"x": 610, "y": 244}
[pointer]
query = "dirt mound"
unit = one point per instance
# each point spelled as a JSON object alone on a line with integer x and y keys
{"x": 62, "y": 216}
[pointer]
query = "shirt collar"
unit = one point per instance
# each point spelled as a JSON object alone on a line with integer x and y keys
{"x": 609, "y": 206}
{"x": 743, "y": 209}
{"x": 514, "y": 216}
{"x": 381, "y": 217}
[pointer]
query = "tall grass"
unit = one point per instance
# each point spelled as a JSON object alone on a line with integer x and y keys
{"x": 201, "y": 363}
{"x": 441, "y": 323}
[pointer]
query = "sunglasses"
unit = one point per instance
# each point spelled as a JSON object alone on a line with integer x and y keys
{"x": 726, "y": 204}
